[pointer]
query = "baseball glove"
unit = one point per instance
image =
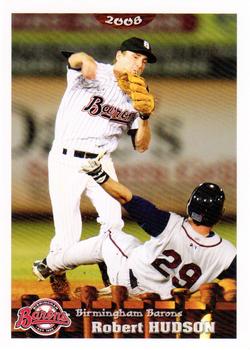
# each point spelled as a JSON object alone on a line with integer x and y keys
{"x": 136, "y": 88}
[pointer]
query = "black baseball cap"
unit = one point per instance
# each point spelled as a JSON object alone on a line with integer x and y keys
{"x": 139, "y": 46}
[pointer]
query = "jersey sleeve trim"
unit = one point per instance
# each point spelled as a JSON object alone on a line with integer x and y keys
{"x": 132, "y": 131}
{"x": 150, "y": 219}
{"x": 76, "y": 69}
{"x": 132, "y": 134}
{"x": 67, "y": 54}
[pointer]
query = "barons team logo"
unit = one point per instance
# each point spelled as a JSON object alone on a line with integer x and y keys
{"x": 44, "y": 317}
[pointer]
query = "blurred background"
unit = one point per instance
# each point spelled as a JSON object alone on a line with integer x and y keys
{"x": 193, "y": 126}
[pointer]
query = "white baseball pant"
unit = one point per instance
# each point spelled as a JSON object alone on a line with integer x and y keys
{"x": 66, "y": 185}
{"x": 113, "y": 246}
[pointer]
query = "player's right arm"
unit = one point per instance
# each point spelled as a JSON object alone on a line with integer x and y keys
{"x": 85, "y": 63}
{"x": 117, "y": 190}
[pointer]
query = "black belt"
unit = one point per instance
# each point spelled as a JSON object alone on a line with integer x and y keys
{"x": 81, "y": 154}
{"x": 133, "y": 279}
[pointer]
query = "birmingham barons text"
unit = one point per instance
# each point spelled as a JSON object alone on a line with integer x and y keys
{"x": 122, "y": 313}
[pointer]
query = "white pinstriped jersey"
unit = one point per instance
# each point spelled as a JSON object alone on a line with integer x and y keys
{"x": 93, "y": 113}
{"x": 179, "y": 257}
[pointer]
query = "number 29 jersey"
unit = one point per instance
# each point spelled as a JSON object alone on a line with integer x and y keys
{"x": 180, "y": 257}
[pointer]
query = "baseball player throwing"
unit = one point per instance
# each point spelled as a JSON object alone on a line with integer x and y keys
{"x": 182, "y": 252}
{"x": 101, "y": 102}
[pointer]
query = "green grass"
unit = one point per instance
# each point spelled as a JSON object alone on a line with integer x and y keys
{"x": 31, "y": 239}
{"x": 206, "y": 33}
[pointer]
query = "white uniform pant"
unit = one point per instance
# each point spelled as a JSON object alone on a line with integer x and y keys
{"x": 113, "y": 247}
{"x": 66, "y": 185}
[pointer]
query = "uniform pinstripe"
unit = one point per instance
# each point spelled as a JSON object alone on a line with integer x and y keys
{"x": 76, "y": 127}
{"x": 92, "y": 116}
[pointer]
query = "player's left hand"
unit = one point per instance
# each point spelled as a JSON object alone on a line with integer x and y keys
{"x": 136, "y": 88}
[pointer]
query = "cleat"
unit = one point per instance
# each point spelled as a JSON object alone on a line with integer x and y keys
{"x": 41, "y": 270}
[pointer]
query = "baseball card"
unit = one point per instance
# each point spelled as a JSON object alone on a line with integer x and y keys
{"x": 123, "y": 175}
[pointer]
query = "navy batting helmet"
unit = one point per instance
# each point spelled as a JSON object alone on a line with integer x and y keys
{"x": 206, "y": 204}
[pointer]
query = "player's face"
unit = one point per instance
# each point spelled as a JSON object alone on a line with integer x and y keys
{"x": 131, "y": 62}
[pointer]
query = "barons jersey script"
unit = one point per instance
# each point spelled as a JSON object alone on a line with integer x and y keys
{"x": 94, "y": 113}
